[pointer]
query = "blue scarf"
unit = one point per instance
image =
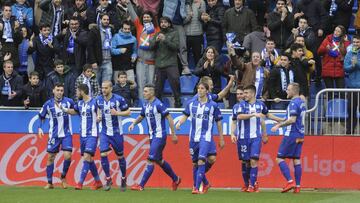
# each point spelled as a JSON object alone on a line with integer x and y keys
{"x": 70, "y": 48}
{"x": 333, "y": 8}
{"x": 57, "y": 21}
{"x": 7, "y": 31}
{"x": 6, "y": 90}
{"x": 45, "y": 41}
{"x": 267, "y": 59}
{"x": 259, "y": 81}
{"x": 107, "y": 40}
{"x": 284, "y": 80}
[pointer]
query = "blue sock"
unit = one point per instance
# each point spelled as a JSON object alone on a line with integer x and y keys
{"x": 105, "y": 165}
{"x": 207, "y": 166}
{"x": 195, "y": 168}
{"x": 94, "y": 171}
{"x": 49, "y": 172}
{"x": 285, "y": 170}
{"x": 168, "y": 170}
{"x": 66, "y": 166}
{"x": 298, "y": 174}
{"x": 245, "y": 174}
{"x": 122, "y": 164}
{"x": 84, "y": 171}
{"x": 253, "y": 175}
{"x": 200, "y": 175}
{"x": 149, "y": 170}
{"x": 205, "y": 180}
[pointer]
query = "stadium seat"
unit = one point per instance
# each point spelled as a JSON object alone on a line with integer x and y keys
{"x": 187, "y": 84}
{"x": 221, "y": 105}
{"x": 336, "y": 109}
{"x": 140, "y": 103}
{"x": 167, "y": 88}
{"x": 166, "y": 101}
{"x": 185, "y": 100}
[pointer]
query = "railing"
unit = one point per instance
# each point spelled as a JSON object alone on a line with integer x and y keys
{"x": 335, "y": 112}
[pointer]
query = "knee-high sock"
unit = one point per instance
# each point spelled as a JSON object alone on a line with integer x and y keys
{"x": 169, "y": 171}
{"x": 298, "y": 173}
{"x": 253, "y": 175}
{"x": 149, "y": 170}
{"x": 122, "y": 164}
{"x": 66, "y": 166}
{"x": 84, "y": 171}
{"x": 245, "y": 173}
{"x": 94, "y": 171}
{"x": 285, "y": 170}
{"x": 208, "y": 166}
{"x": 105, "y": 165}
{"x": 49, "y": 172}
{"x": 200, "y": 175}
{"x": 195, "y": 168}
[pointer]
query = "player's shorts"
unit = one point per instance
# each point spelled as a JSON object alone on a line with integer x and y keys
{"x": 289, "y": 148}
{"x": 156, "y": 148}
{"x": 249, "y": 148}
{"x": 54, "y": 143}
{"x": 116, "y": 142}
{"x": 88, "y": 145}
{"x": 201, "y": 150}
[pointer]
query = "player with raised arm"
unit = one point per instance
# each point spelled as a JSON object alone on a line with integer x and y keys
{"x": 155, "y": 114}
{"x": 291, "y": 144}
{"x": 112, "y": 108}
{"x": 87, "y": 109}
{"x": 60, "y": 132}
{"x": 202, "y": 112}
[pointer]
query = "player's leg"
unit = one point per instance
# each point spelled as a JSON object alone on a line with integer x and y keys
{"x": 283, "y": 152}
{"x": 66, "y": 147}
{"x": 211, "y": 159}
{"x": 194, "y": 153}
{"x": 53, "y": 146}
{"x": 255, "y": 148}
{"x": 91, "y": 149}
{"x": 104, "y": 151}
{"x": 204, "y": 147}
{"x": 243, "y": 148}
{"x": 117, "y": 143}
{"x": 297, "y": 166}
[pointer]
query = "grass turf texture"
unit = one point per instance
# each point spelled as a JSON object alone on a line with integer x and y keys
{"x": 9, "y": 194}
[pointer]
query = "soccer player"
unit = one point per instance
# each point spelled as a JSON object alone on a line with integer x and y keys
{"x": 60, "y": 132}
{"x": 155, "y": 114}
{"x": 112, "y": 108}
{"x": 291, "y": 145}
{"x": 87, "y": 108}
{"x": 203, "y": 112}
{"x": 221, "y": 94}
{"x": 252, "y": 131}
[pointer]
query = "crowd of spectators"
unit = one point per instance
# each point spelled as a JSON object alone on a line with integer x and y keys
{"x": 268, "y": 43}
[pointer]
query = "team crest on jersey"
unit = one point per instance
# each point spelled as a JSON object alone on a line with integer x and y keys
{"x": 63, "y": 105}
{"x": 112, "y": 104}
{"x": 257, "y": 106}
{"x": 206, "y": 108}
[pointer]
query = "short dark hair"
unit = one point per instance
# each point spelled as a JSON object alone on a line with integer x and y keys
{"x": 304, "y": 18}
{"x": 43, "y": 25}
{"x": 33, "y": 73}
{"x": 204, "y": 84}
{"x": 286, "y": 55}
{"x": 295, "y": 46}
{"x": 75, "y": 18}
{"x": 58, "y": 62}
{"x": 281, "y": 0}
{"x": 240, "y": 87}
{"x": 126, "y": 22}
{"x": 150, "y": 86}
{"x": 356, "y": 37}
{"x": 7, "y": 4}
{"x": 121, "y": 73}
{"x": 84, "y": 88}
{"x": 86, "y": 67}
{"x": 269, "y": 39}
{"x": 104, "y": 14}
{"x": 58, "y": 84}
{"x": 299, "y": 36}
{"x": 251, "y": 87}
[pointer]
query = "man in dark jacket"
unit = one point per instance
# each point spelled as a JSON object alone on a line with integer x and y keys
{"x": 53, "y": 15}
{"x": 340, "y": 12}
{"x": 82, "y": 12}
{"x": 166, "y": 44}
{"x": 212, "y": 21}
{"x": 10, "y": 86}
{"x": 71, "y": 45}
{"x": 105, "y": 8}
{"x": 99, "y": 49}
{"x": 307, "y": 32}
{"x": 125, "y": 88}
{"x": 61, "y": 74}
{"x": 33, "y": 93}
{"x": 280, "y": 23}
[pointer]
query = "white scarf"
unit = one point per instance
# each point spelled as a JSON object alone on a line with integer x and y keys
{"x": 284, "y": 82}
{"x": 7, "y": 87}
{"x": 87, "y": 82}
{"x": 267, "y": 58}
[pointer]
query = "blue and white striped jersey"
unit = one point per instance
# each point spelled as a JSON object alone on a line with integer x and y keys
{"x": 296, "y": 107}
{"x": 88, "y": 115}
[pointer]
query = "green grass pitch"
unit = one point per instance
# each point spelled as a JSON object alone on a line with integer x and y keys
{"x": 12, "y": 194}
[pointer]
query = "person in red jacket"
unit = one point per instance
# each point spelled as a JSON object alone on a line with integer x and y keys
{"x": 333, "y": 51}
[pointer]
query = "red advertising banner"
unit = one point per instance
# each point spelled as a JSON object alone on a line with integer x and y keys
{"x": 327, "y": 162}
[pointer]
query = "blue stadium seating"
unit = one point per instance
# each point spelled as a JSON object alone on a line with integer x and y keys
{"x": 166, "y": 101}
{"x": 221, "y": 105}
{"x": 336, "y": 109}
{"x": 185, "y": 100}
{"x": 167, "y": 88}
{"x": 187, "y": 84}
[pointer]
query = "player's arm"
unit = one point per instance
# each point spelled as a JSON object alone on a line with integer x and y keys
{"x": 275, "y": 118}
{"x": 120, "y": 113}
{"x": 233, "y": 129}
{"x": 224, "y": 92}
{"x": 182, "y": 120}
{"x": 172, "y": 128}
{"x": 265, "y": 138}
{"x": 135, "y": 122}
{"x": 287, "y": 122}
{"x": 220, "y": 129}
{"x": 244, "y": 116}
{"x": 40, "y": 131}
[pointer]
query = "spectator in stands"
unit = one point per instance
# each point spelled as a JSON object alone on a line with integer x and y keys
{"x": 280, "y": 23}
{"x": 23, "y": 13}
{"x": 71, "y": 45}
{"x": 176, "y": 11}
{"x": 53, "y": 15}
{"x": 269, "y": 54}
{"x": 45, "y": 51}
{"x": 152, "y": 6}
{"x": 23, "y": 55}
{"x": 81, "y": 11}
{"x": 352, "y": 67}
{"x": 259, "y": 7}
{"x": 357, "y": 20}
{"x": 212, "y": 22}
{"x": 122, "y": 10}
{"x": 10, "y": 86}
{"x": 210, "y": 65}
{"x": 124, "y": 52}
{"x": 252, "y": 73}
{"x": 166, "y": 44}
{"x": 333, "y": 50}
{"x": 193, "y": 28}
{"x": 10, "y": 35}
{"x": 99, "y": 49}
{"x": 280, "y": 77}
{"x": 146, "y": 27}
{"x": 61, "y": 74}
{"x": 88, "y": 77}
{"x": 105, "y": 8}
{"x": 305, "y": 31}
{"x": 125, "y": 88}
{"x": 340, "y": 12}
{"x": 239, "y": 20}
{"x": 300, "y": 66}
{"x": 255, "y": 41}
{"x": 34, "y": 92}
